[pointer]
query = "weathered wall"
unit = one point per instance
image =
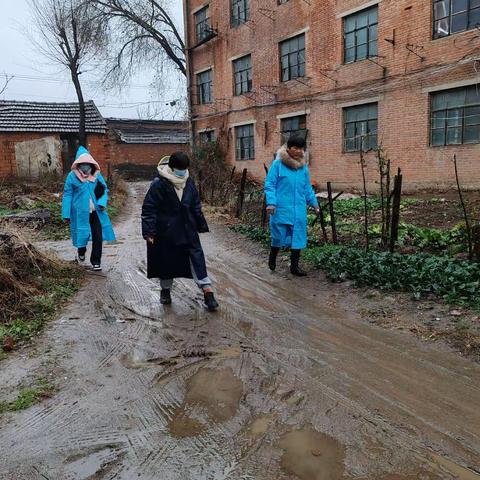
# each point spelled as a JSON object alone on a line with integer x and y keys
{"x": 35, "y": 158}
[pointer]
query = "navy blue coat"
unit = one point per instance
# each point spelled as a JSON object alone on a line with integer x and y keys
{"x": 175, "y": 225}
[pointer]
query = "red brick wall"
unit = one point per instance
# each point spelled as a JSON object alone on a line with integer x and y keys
{"x": 403, "y": 103}
{"x": 142, "y": 154}
{"x": 97, "y": 144}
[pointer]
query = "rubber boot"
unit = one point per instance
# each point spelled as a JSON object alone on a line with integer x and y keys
{"x": 272, "y": 259}
{"x": 294, "y": 268}
{"x": 210, "y": 301}
{"x": 165, "y": 297}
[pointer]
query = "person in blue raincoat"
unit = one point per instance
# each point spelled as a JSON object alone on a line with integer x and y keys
{"x": 84, "y": 204}
{"x": 288, "y": 192}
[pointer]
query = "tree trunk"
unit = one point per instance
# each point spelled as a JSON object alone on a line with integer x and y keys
{"x": 82, "y": 134}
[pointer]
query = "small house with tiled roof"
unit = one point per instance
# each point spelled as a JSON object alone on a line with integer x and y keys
{"x": 138, "y": 145}
{"x": 39, "y": 135}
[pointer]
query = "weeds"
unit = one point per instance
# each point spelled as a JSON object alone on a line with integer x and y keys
{"x": 28, "y": 397}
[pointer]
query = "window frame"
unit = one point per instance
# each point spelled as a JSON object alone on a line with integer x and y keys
{"x": 288, "y": 55}
{"x": 450, "y": 16}
{"x": 205, "y": 31}
{"x": 464, "y": 115}
{"x": 244, "y": 13}
{"x": 203, "y": 136}
{"x": 240, "y": 144}
{"x": 201, "y": 89}
{"x": 284, "y": 132}
{"x": 368, "y": 42}
{"x": 356, "y": 137}
{"x": 242, "y": 81}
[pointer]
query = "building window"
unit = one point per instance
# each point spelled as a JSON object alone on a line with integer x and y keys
{"x": 360, "y": 127}
{"x": 452, "y": 16}
{"x": 240, "y": 12}
{"x": 243, "y": 75}
{"x": 208, "y": 136}
{"x": 245, "y": 142}
{"x": 293, "y": 126}
{"x": 455, "y": 116}
{"x": 292, "y": 58}
{"x": 360, "y": 35}
{"x": 203, "y": 27}
{"x": 204, "y": 87}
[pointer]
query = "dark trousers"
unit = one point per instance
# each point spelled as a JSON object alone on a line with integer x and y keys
{"x": 97, "y": 240}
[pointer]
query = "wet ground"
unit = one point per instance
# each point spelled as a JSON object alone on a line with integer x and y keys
{"x": 279, "y": 384}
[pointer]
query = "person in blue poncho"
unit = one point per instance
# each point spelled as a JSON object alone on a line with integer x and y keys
{"x": 84, "y": 204}
{"x": 288, "y": 192}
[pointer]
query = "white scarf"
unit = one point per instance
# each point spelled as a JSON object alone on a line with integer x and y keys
{"x": 178, "y": 182}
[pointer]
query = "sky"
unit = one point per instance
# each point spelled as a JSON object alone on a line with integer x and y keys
{"x": 36, "y": 79}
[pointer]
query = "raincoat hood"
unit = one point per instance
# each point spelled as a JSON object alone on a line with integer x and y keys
{"x": 166, "y": 172}
{"x": 290, "y": 162}
{"x": 84, "y": 156}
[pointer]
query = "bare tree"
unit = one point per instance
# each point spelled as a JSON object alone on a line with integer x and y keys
{"x": 142, "y": 32}
{"x": 70, "y": 34}
{"x": 8, "y": 79}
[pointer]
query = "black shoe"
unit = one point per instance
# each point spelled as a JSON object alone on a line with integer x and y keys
{"x": 96, "y": 267}
{"x": 298, "y": 272}
{"x": 210, "y": 301}
{"x": 165, "y": 297}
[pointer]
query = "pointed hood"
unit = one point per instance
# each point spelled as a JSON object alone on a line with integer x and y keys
{"x": 84, "y": 156}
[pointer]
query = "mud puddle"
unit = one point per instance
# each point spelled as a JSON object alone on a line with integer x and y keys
{"x": 91, "y": 463}
{"x": 216, "y": 393}
{"x": 311, "y": 455}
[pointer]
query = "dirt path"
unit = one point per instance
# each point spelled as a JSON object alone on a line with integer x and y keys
{"x": 277, "y": 385}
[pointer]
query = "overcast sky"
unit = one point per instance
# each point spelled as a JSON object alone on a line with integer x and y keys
{"x": 37, "y": 80}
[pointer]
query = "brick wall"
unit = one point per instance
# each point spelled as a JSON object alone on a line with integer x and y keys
{"x": 142, "y": 154}
{"x": 399, "y": 83}
{"x": 97, "y": 144}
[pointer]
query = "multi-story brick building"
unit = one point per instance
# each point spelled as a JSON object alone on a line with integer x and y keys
{"x": 401, "y": 74}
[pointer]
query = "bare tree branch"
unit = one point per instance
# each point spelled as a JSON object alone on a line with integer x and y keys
{"x": 8, "y": 79}
{"x": 141, "y": 32}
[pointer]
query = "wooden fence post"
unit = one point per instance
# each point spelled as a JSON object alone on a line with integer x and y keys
{"x": 395, "y": 222}
{"x": 332, "y": 214}
{"x": 241, "y": 194}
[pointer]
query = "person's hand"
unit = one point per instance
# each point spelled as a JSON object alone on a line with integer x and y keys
{"x": 150, "y": 240}
{"x": 271, "y": 209}
{"x": 317, "y": 210}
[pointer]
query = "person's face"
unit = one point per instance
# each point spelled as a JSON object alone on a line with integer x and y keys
{"x": 296, "y": 152}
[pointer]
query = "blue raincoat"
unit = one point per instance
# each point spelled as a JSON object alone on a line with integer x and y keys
{"x": 290, "y": 191}
{"x": 76, "y": 203}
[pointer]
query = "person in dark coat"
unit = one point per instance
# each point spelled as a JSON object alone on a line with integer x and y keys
{"x": 172, "y": 218}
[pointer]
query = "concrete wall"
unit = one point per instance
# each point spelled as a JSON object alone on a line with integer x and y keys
{"x": 35, "y": 158}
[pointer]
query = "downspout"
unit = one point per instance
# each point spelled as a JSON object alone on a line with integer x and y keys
{"x": 187, "y": 21}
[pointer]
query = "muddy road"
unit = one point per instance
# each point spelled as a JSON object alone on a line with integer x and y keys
{"x": 279, "y": 384}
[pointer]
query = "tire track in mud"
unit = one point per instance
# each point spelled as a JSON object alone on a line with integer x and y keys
{"x": 301, "y": 364}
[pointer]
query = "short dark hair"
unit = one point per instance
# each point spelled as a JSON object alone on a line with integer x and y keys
{"x": 179, "y": 160}
{"x": 296, "y": 141}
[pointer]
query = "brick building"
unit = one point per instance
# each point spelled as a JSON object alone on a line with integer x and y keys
{"x": 47, "y": 133}
{"x": 403, "y": 74}
{"x": 142, "y": 143}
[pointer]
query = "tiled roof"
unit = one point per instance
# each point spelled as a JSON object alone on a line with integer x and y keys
{"x": 48, "y": 117}
{"x": 150, "y": 131}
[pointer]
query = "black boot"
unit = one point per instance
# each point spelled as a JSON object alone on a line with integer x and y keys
{"x": 165, "y": 297}
{"x": 210, "y": 301}
{"x": 272, "y": 259}
{"x": 294, "y": 268}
